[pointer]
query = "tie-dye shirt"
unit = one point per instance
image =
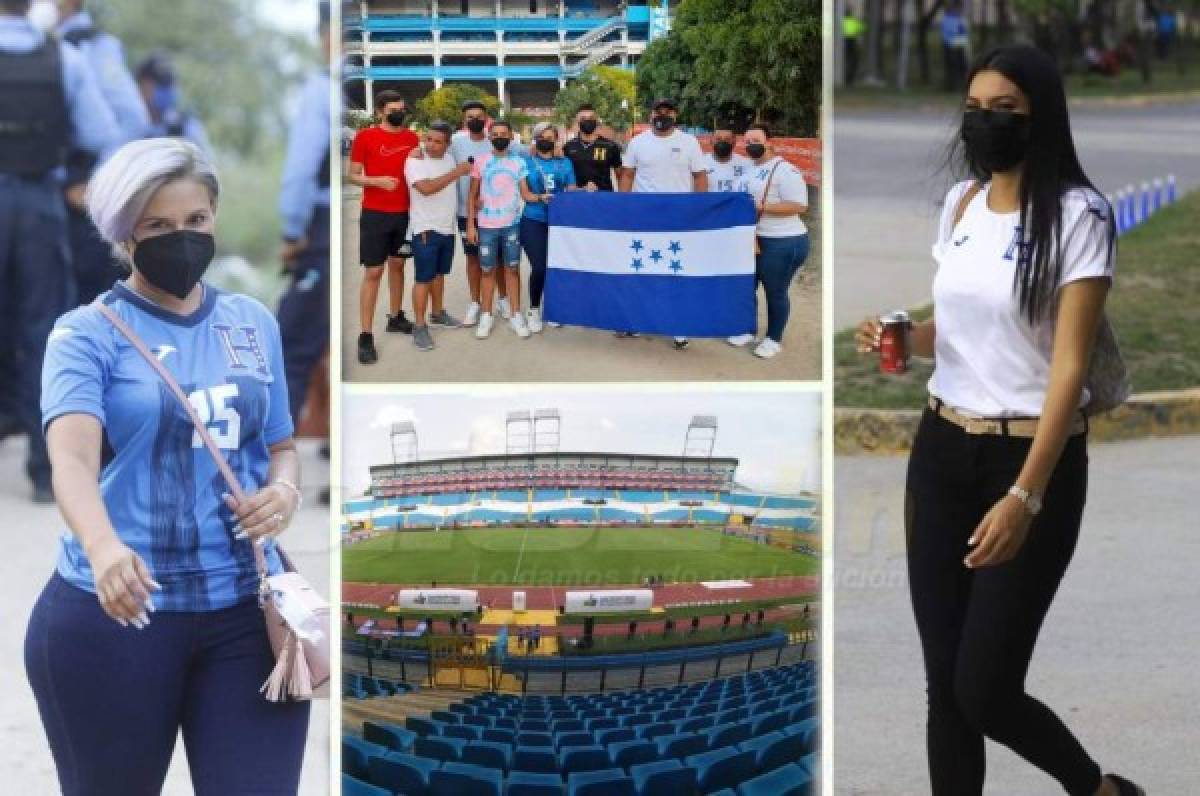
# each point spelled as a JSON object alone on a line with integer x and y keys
{"x": 500, "y": 202}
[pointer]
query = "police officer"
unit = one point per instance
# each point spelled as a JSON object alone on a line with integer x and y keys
{"x": 304, "y": 207}
{"x": 48, "y": 102}
{"x": 160, "y": 92}
{"x": 95, "y": 269}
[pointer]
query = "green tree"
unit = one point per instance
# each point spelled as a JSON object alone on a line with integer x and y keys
{"x": 446, "y": 102}
{"x": 603, "y": 90}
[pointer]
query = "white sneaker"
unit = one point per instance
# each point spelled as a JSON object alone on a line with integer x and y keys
{"x": 485, "y": 326}
{"x": 554, "y": 324}
{"x": 517, "y": 322}
{"x": 473, "y": 310}
{"x": 740, "y": 340}
{"x": 533, "y": 319}
{"x": 767, "y": 348}
{"x": 504, "y": 307}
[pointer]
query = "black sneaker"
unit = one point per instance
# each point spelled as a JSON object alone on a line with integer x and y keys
{"x": 681, "y": 343}
{"x": 398, "y": 323}
{"x": 1125, "y": 787}
{"x": 367, "y": 355}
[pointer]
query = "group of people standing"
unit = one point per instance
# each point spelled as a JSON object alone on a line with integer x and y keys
{"x": 495, "y": 192}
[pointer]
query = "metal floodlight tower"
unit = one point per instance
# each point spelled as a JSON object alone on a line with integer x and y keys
{"x": 701, "y": 437}
{"x": 404, "y": 442}
{"x": 547, "y": 430}
{"x": 518, "y": 433}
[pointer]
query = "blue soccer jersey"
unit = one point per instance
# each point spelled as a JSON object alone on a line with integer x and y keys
{"x": 161, "y": 487}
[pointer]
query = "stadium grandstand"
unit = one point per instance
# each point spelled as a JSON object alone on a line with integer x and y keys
{"x": 522, "y": 51}
{"x": 575, "y": 623}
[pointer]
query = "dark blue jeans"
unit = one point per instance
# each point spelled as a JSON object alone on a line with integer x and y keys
{"x": 112, "y": 699}
{"x": 37, "y": 285}
{"x": 775, "y": 266}
{"x": 535, "y": 240}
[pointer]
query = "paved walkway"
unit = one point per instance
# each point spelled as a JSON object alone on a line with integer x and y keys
{"x": 32, "y": 533}
{"x": 1117, "y": 656}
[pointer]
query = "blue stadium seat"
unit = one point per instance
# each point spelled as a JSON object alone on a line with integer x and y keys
{"x": 489, "y": 754}
{"x": 457, "y": 779}
{"x": 595, "y": 725}
{"x": 351, "y": 786}
{"x": 355, "y": 752}
{"x": 500, "y": 736}
{"x": 541, "y": 759}
{"x": 401, "y": 773}
{"x": 390, "y": 735}
{"x": 650, "y": 731}
{"x": 567, "y": 725}
{"x": 482, "y": 722}
{"x": 582, "y": 758}
{"x": 534, "y": 739}
{"x": 771, "y": 721}
{"x": 728, "y": 735}
{"x": 789, "y": 780}
{"x": 445, "y": 749}
{"x": 604, "y": 782}
{"x": 804, "y": 711}
{"x": 766, "y": 756}
{"x": 461, "y": 731}
{"x": 733, "y": 716}
{"x": 422, "y": 726}
{"x": 721, "y": 768}
{"x": 627, "y": 753}
{"x": 811, "y": 764}
{"x": 681, "y": 745}
{"x": 527, "y": 783}
{"x": 697, "y": 724}
{"x": 672, "y": 714}
{"x": 563, "y": 740}
{"x": 445, "y": 717}
{"x": 663, "y": 777}
{"x": 504, "y": 723}
{"x": 605, "y": 737}
{"x": 806, "y": 730}
{"x": 535, "y": 725}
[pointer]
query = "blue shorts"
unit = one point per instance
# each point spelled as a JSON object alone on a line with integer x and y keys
{"x": 499, "y": 247}
{"x": 469, "y": 249}
{"x": 433, "y": 254}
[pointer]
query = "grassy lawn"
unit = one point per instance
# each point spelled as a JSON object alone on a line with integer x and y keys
{"x": 565, "y": 557}
{"x": 1153, "y": 306}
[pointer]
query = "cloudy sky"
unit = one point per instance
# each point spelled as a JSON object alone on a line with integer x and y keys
{"x": 292, "y": 15}
{"x": 775, "y": 433}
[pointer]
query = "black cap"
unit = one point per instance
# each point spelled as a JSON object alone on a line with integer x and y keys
{"x": 158, "y": 68}
{"x": 666, "y": 102}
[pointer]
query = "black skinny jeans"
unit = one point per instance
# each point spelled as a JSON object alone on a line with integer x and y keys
{"x": 978, "y": 627}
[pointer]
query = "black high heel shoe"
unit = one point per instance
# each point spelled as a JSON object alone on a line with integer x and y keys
{"x": 1125, "y": 787}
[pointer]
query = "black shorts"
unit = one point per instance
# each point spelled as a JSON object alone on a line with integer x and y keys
{"x": 469, "y": 249}
{"x": 380, "y": 236}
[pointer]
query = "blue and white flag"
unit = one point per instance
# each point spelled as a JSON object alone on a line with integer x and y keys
{"x": 679, "y": 264}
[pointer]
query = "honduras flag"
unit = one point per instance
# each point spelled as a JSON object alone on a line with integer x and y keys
{"x": 679, "y": 264}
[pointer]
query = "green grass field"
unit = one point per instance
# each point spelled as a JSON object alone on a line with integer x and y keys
{"x": 565, "y": 557}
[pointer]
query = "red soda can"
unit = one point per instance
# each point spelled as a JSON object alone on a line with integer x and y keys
{"x": 893, "y": 342}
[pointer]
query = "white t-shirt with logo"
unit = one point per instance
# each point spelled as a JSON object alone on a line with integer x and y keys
{"x": 664, "y": 164}
{"x": 990, "y": 361}
{"x": 438, "y": 211}
{"x": 787, "y": 186}
{"x": 732, "y": 175}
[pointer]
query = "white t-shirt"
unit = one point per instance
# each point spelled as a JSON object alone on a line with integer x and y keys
{"x": 990, "y": 361}
{"x": 664, "y": 164}
{"x": 437, "y": 211}
{"x": 787, "y": 186}
{"x": 732, "y": 175}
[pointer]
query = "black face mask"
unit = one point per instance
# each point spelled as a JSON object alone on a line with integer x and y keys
{"x": 995, "y": 140}
{"x": 395, "y": 118}
{"x": 587, "y": 126}
{"x": 476, "y": 125}
{"x": 176, "y": 261}
{"x": 722, "y": 149}
{"x": 544, "y": 146}
{"x": 501, "y": 144}
{"x": 663, "y": 123}
{"x": 756, "y": 151}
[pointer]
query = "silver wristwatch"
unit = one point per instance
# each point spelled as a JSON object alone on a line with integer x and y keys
{"x": 1032, "y": 501}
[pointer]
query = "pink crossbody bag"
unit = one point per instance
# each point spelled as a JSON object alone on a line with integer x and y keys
{"x": 296, "y": 616}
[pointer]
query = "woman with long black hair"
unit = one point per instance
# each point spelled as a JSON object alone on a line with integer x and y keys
{"x": 998, "y": 473}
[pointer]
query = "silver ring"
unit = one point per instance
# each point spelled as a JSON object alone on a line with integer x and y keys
{"x": 278, "y": 518}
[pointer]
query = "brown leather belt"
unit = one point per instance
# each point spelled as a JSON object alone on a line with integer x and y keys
{"x": 1024, "y": 427}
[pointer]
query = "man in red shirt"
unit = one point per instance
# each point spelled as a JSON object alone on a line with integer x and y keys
{"x": 377, "y": 160}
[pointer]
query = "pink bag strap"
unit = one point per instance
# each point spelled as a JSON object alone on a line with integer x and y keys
{"x": 235, "y": 489}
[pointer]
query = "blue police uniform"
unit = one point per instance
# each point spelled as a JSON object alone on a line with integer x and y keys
{"x": 94, "y": 266}
{"x": 304, "y": 208}
{"x": 48, "y": 101}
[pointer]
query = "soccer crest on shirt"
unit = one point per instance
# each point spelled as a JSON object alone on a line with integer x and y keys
{"x": 243, "y": 347}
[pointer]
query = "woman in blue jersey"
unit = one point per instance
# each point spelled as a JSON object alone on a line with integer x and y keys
{"x": 549, "y": 173}
{"x": 150, "y": 624}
